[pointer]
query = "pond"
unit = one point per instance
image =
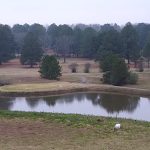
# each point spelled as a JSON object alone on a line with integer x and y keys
{"x": 109, "y": 105}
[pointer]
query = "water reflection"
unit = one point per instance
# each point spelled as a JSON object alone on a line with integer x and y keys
{"x": 32, "y": 102}
{"x": 112, "y": 103}
{"x": 117, "y": 103}
{"x": 83, "y": 103}
{"x": 6, "y": 103}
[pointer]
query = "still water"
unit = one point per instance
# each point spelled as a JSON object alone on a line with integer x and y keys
{"x": 83, "y": 103}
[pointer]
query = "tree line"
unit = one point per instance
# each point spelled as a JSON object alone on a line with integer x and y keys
{"x": 90, "y": 41}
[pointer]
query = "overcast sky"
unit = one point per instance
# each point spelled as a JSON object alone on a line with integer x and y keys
{"x": 74, "y": 11}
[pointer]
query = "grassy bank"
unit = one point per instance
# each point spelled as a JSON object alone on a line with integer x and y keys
{"x": 55, "y": 88}
{"x": 42, "y": 131}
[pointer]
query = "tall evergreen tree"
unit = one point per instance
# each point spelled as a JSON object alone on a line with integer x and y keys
{"x": 50, "y": 68}
{"x": 146, "y": 52}
{"x": 64, "y": 41}
{"x": 52, "y": 33}
{"x": 87, "y": 42}
{"x": 7, "y": 44}
{"x": 110, "y": 42}
{"x": 32, "y": 51}
{"x": 40, "y": 32}
{"x": 19, "y": 32}
{"x": 130, "y": 42}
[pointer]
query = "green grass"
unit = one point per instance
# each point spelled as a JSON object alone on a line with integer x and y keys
{"x": 41, "y": 131}
{"x": 71, "y": 119}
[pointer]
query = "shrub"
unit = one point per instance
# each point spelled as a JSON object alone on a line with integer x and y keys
{"x": 132, "y": 78}
{"x": 119, "y": 72}
{"x": 73, "y": 67}
{"x": 87, "y": 68}
{"x": 50, "y": 68}
{"x": 116, "y": 71}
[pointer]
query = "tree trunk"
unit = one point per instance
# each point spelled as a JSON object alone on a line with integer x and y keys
{"x": 64, "y": 59}
{"x": 128, "y": 58}
{"x": 31, "y": 64}
{"x": 135, "y": 64}
{"x": 148, "y": 63}
{"x": 128, "y": 61}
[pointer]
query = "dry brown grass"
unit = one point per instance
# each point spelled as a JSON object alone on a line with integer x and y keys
{"x": 14, "y": 73}
{"x": 56, "y": 88}
{"x": 24, "y": 134}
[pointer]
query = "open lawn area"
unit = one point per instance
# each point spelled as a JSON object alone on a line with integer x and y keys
{"x": 23, "y": 78}
{"x": 13, "y": 72}
{"x": 43, "y": 131}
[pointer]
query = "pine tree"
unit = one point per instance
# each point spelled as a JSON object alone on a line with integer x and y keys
{"x": 32, "y": 51}
{"x": 50, "y": 68}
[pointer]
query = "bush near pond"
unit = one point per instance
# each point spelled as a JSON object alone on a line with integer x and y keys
{"x": 116, "y": 71}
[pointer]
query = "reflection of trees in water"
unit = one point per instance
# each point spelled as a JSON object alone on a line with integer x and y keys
{"x": 51, "y": 101}
{"x": 32, "y": 102}
{"x": 93, "y": 97}
{"x": 117, "y": 103}
{"x": 79, "y": 96}
{"x": 6, "y": 103}
{"x": 112, "y": 103}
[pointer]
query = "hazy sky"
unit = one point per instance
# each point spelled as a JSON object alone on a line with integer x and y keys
{"x": 74, "y": 11}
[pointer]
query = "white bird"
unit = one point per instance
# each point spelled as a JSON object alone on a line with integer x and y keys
{"x": 117, "y": 126}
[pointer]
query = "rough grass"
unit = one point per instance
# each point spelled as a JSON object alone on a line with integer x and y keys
{"x": 16, "y": 73}
{"x": 23, "y": 79}
{"x": 42, "y": 131}
{"x": 56, "y": 88}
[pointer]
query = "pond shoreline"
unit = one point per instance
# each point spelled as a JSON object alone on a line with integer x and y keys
{"x": 66, "y": 88}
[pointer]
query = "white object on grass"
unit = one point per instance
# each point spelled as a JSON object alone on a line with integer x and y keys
{"x": 117, "y": 126}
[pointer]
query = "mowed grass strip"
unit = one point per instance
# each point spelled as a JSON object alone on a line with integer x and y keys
{"x": 39, "y": 87}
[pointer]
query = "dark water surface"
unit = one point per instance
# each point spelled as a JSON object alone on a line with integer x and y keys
{"x": 83, "y": 103}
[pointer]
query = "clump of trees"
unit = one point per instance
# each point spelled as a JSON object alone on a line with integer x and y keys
{"x": 50, "y": 68}
{"x": 7, "y": 44}
{"x": 32, "y": 51}
{"x": 146, "y": 51}
{"x": 90, "y": 41}
{"x": 116, "y": 71}
{"x": 87, "y": 40}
